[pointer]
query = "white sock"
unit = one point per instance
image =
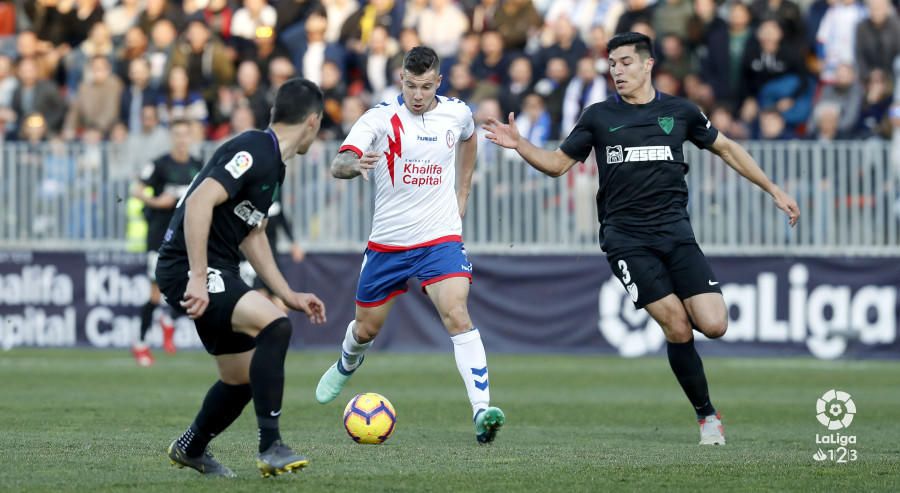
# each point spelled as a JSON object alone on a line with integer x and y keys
{"x": 351, "y": 350}
{"x": 472, "y": 365}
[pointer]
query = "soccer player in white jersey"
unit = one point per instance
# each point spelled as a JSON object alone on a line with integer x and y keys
{"x": 409, "y": 145}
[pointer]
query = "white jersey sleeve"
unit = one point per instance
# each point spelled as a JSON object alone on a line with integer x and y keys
{"x": 367, "y": 131}
{"x": 467, "y": 125}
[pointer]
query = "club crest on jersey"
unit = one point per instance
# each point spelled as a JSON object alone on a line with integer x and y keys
{"x": 451, "y": 139}
{"x": 667, "y": 123}
{"x": 239, "y": 164}
{"x": 614, "y": 154}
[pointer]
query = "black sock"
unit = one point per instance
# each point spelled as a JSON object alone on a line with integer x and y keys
{"x": 688, "y": 369}
{"x": 267, "y": 378}
{"x": 222, "y": 405}
{"x": 146, "y": 319}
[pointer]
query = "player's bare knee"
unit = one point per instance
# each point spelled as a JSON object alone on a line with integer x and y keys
{"x": 235, "y": 374}
{"x": 456, "y": 319}
{"x": 365, "y": 331}
{"x": 715, "y": 329}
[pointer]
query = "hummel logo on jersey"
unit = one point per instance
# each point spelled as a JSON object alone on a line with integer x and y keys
{"x": 422, "y": 138}
{"x": 613, "y": 129}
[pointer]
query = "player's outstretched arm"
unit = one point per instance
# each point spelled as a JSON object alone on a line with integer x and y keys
{"x": 551, "y": 163}
{"x": 467, "y": 158}
{"x": 347, "y": 164}
{"x": 256, "y": 248}
{"x": 738, "y": 158}
{"x": 198, "y": 214}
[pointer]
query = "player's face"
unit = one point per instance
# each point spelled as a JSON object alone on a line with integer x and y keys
{"x": 419, "y": 90}
{"x": 630, "y": 72}
{"x": 313, "y": 123}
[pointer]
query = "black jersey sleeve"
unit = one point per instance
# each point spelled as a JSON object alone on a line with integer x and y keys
{"x": 239, "y": 168}
{"x": 700, "y": 129}
{"x": 580, "y": 142}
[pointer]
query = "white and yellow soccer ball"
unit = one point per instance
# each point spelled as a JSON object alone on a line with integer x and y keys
{"x": 369, "y": 418}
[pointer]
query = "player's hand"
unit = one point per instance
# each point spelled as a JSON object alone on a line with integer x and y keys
{"x": 787, "y": 203}
{"x": 297, "y": 253}
{"x": 196, "y": 298}
{"x": 503, "y": 134}
{"x": 367, "y": 162}
{"x": 309, "y": 304}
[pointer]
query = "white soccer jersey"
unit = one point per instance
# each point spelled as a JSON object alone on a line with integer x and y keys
{"x": 415, "y": 193}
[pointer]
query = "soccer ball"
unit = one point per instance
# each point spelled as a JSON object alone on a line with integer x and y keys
{"x": 369, "y": 418}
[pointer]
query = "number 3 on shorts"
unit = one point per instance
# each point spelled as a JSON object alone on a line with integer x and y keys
{"x": 626, "y": 276}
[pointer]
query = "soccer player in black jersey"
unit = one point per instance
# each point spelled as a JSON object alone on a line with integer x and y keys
{"x": 168, "y": 176}
{"x": 644, "y": 229}
{"x": 222, "y": 215}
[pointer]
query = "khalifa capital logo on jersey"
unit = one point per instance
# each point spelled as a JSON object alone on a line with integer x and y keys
{"x": 395, "y": 148}
{"x": 239, "y": 164}
{"x": 615, "y": 155}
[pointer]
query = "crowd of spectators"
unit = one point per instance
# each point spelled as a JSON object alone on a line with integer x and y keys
{"x": 121, "y": 69}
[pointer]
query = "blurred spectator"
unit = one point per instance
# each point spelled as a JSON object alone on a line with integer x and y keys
{"x": 826, "y": 119}
{"x": 99, "y": 43}
{"x": 374, "y": 63}
{"x": 666, "y": 83}
{"x": 312, "y": 54}
{"x": 264, "y": 49}
{"x": 352, "y": 108}
{"x": 335, "y": 90}
{"x": 291, "y": 14}
{"x": 552, "y": 89}
{"x": 772, "y": 126}
{"x": 80, "y": 19}
{"x": 180, "y": 103}
{"x": 97, "y": 103}
{"x": 698, "y": 92}
{"x": 280, "y": 70}
{"x": 873, "y": 118}
{"x": 43, "y": 52}
{"x": 441, "y": 27}
{"x": 155, "y": 10}
{"x": 412, "y": 13}
{"x": 138, "y": 94}
{"x": 836, "y": 36}
{"x": 635, "y": 11}
{"x": 251, "y": 92}
{"x": 708, "y": 33}
{"x": 468, "y": 88}
{"x": 516, "y": 21}
{"x": 878, "y": 39}
{"x": 162, "y": 44}
{"x": 38, "y": 95}
{"x": 674, "y": 58}
{"x": 774, "y": 73}
{"x": 847, "y": 94}
{"x": 786, "y": 13}
{"x": 133, "y": 47}
{"x": 48, "y": 23}
{"x": 357, "y": 28}
{"x": 534, "y": 122}
{"x": 242, "y": 120}
{"x": 122, "y": 17}
{"x": 205, "y": 59}
{"x": 585, "y": 89}
{"x": 8, "y": 81}
{"x": 337, "y": 12}
{"x": 566, "y": 45}
{"x": 671, "y": 17}
{"x": 218, "y": 15}
{"x": 739, "y": 35}
{"x": 492, "y": 64}
{"x": 469, "y": 50}
{"x": 253, "y": 15}
{"x": 520, "y": 84}
{"x": 481, "y": 15}
{"x": 489, "y": 108}
{"x": 722, "y": 119}
{"x": 597, "y": 48}
{"x": 148, "y": 142}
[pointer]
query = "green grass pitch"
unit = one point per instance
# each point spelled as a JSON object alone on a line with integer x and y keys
{"x": 90, "y": 420}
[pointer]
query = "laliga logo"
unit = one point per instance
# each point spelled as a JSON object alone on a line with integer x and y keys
{"x": 835, "y": 410}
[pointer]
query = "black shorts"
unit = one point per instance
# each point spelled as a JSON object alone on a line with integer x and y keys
{"x": 214, "y": 327}
{"x": 653, "y": 269}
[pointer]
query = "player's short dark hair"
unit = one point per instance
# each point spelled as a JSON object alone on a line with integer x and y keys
{"x": 641, "y": 42}
{"x": 421, "y": 59}
{"x": 295, "y": 100}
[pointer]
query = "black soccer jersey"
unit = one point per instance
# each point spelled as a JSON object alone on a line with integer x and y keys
{"x": 640, "y": 157}
{"x": 165, "y": 175}
{"x": 250, "y": 169}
